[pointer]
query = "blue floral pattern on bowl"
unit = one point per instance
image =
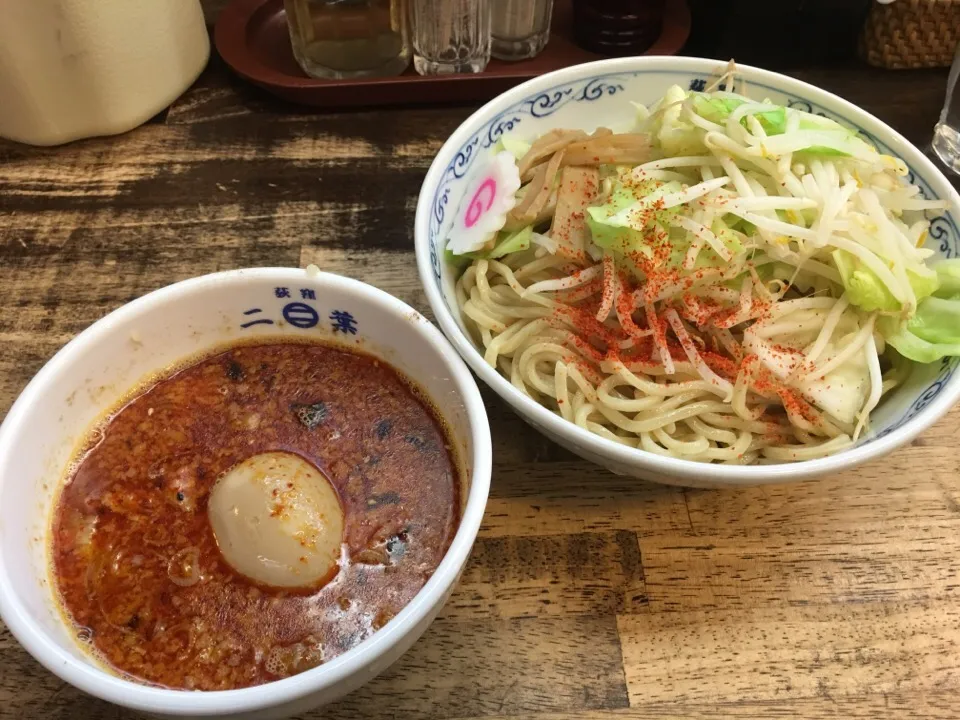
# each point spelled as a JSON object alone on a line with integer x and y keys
{"x": 550, "y": 108}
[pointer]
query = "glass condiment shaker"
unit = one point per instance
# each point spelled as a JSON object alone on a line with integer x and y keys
{"x": 450, "y": 36}
{"x": 946, "y": 134}
{"x": 617, "y": 27}
{"x": 339, "y": 39}
{"x": 521, "y": 28}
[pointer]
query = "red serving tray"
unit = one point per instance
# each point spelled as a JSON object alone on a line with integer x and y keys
{"x": 251, "y": 36}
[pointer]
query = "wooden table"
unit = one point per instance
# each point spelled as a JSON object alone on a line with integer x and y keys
{"x": 588, "y": 595}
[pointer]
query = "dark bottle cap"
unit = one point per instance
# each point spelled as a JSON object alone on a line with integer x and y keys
{"x": 617, "y": 27}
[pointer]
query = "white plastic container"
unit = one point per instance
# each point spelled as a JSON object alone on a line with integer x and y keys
{"x": 71, "y": 69}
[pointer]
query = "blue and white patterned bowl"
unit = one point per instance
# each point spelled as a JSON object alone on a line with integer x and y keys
{"x": 598, "y": 94}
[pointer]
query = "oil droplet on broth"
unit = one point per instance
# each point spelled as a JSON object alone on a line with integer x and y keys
{"x": 294, "y": 659}
{"x": 278, "y": 521}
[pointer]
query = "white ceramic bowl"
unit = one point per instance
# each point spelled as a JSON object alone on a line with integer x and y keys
{"x": 598, "y": 94}
{"x": 93, "y": 371}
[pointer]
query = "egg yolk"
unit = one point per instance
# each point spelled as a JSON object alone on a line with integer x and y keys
{"x": 278, "y": 521}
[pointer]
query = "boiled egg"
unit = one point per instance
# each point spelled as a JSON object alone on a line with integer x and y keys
{"x": 278, "y": 521}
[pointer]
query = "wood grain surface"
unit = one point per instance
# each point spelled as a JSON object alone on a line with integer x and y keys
{"x": 587, "y": 595}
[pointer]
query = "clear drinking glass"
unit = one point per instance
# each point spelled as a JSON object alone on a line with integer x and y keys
{"x": 946, "y": 134}
{"x": 338, "y": 39}
{"x": 521, "y": 28}
{"x": 450, "y": 36}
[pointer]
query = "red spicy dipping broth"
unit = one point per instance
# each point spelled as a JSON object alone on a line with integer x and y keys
{"x": 253, "y": 515}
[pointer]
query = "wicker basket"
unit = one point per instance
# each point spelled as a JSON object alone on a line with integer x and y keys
{"x": 911, "y": 33}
